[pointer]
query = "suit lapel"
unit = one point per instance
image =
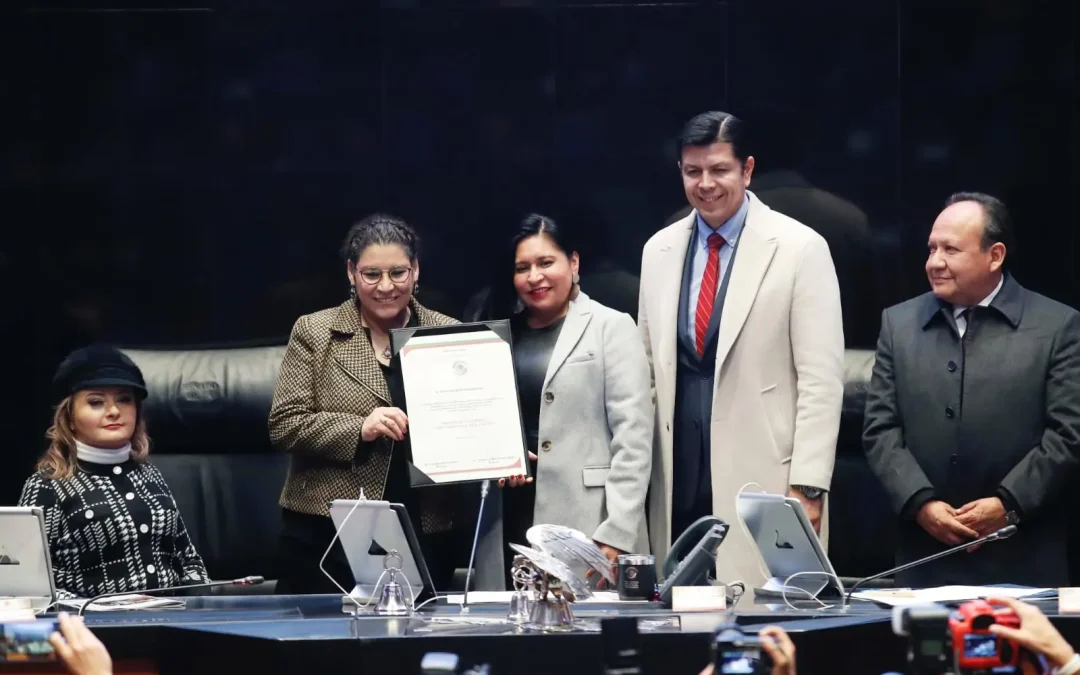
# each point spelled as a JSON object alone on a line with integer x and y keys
{"x": 755, "y": 252}
{"x": 671, "y": 263}
{"x": 351, "y": 350}
{"x": 577, "y": 320}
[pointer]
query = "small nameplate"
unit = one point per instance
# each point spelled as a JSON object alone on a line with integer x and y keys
{"x": 11, "y": 604}
{"x": 699, "y": 598}
{"x": 16, "y": 615}
{"x": 1069, "y": 600}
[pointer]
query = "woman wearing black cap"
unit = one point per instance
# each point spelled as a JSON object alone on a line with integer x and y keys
{"x": 112, "y": 523}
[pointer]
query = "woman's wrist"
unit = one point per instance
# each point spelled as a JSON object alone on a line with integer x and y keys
{"x": 1064, "y": 660}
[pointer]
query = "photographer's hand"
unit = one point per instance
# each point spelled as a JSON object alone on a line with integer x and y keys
{"x": 780, "y": 648}
{"x": 79, "y": 649}
{"x": 1035, "y": 632}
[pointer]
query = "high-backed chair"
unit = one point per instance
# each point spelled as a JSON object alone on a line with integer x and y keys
{"x": 207, "y": 412}
{"x": 862, "y": 525}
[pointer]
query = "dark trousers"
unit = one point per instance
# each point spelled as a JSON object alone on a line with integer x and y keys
{"x": 691, "y": 486}
{"x": 305, "y": 538}
{"x": 303, "y": 541}
{"x": 683, "y": 518}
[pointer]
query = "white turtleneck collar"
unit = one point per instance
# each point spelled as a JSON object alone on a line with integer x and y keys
{"x": 89, "y": 453}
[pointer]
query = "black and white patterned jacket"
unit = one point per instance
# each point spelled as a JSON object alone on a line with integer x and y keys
{"x": 113, "y": 528}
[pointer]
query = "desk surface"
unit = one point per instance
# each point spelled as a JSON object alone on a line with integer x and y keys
{"x": 320, "y": 617}
{"x": 289, "y": 634}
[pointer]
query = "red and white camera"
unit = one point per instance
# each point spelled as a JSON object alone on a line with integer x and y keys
{"x": 975, "y": 648}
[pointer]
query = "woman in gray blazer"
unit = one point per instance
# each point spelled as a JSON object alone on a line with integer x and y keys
{"x": 583, "y": 382}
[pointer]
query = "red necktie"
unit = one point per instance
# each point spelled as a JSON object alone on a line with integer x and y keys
{"x": 707, "y": 297}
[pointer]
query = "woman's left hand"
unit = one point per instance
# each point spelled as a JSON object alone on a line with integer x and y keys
{"x": 518, "y": 481}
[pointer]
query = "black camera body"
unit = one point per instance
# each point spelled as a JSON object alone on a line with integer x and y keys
{"x": 929, "y": 638}
{"x": 737, "y": 653}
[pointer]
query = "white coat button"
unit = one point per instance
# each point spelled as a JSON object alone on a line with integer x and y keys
{"x": 150, "y": 569}
{"x": 129, "y": 496}
{"x": 144, "y": 528}
{"x": 117, "y": 470}
{"x": 89, "y": 514}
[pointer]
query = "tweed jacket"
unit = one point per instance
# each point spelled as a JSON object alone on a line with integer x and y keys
{"x": 329, "y": 382}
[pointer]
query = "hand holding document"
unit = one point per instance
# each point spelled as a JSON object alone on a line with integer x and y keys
{"x": 464, "y": 419}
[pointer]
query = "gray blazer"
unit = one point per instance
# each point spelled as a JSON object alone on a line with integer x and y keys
{"x": 596, "y": 429}
{"x": 996, "y": 413}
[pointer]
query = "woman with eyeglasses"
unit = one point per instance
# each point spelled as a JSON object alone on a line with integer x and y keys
{"x": 337, "y": 412}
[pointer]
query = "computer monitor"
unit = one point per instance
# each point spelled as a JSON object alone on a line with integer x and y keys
{"x": 25, "y": 564}
{"x": 369, "y": 530}
{"x": 787, "y": 543}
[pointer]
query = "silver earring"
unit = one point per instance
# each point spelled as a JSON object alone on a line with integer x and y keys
{"x": 576, "y": 278}
{"x": 416, "y": 288}
{"x": 519, "y": 306}
{"x": 352, "y": 292}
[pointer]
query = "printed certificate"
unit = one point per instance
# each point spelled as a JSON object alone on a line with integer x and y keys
{"x": 462, "y": 400}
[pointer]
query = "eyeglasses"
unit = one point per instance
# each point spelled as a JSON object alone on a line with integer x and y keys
{"x": 398, "y": 275}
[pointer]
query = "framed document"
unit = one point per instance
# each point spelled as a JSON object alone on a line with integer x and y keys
{"x": 461, "y": 398}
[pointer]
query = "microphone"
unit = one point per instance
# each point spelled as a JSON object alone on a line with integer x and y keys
{"x": 485, "y": 487}
{"x": 1003, "y": 533}
{"x": 245, "y": 581}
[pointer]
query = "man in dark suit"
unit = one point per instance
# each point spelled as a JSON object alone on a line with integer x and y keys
{"x": 973, "y": 412}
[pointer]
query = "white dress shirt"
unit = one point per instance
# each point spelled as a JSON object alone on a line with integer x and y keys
{"x": 958, "y": 310}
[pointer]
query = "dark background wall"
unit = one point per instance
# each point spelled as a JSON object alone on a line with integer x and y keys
{"x": 180, "y": 173}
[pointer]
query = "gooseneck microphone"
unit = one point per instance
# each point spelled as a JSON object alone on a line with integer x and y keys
{"x": 1003, "y": 533}
{"x": 485, "y": 487}
{"x": 245, "y": 581}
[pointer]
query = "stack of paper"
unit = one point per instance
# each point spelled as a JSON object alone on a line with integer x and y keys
{"x": 125, "y": 602}
{"x": 902, "y": 597}
{"x": 488, "y": 597}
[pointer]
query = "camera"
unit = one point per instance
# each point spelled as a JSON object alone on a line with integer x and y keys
{"x": 738, "y": 653}
{"x": 27, "y": 641}
{"x": 929, "y": 638}
{"x": 974, "y": 646}
{"x": 958, "y": 641}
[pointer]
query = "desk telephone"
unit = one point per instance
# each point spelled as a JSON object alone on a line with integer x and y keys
{"x": 693, "y": 556}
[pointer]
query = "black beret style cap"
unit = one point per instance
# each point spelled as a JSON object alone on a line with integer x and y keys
{"x": 97, "y": 366}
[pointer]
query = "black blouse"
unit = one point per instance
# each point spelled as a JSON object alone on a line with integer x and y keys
{"x": 398, "y": 490}
{"x": 532, "y": 354}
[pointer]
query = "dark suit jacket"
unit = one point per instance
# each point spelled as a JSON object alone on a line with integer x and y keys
{"x": 994, "y": 414}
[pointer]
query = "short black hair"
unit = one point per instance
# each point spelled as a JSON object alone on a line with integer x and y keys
{"x": 997, "y": 226}
{"x": 715, "y": 127}
{"x": 380, "y": 228}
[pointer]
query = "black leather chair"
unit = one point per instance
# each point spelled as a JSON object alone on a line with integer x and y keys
{"x": 206, "y": 412}
{"x": 862, "y": 525}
